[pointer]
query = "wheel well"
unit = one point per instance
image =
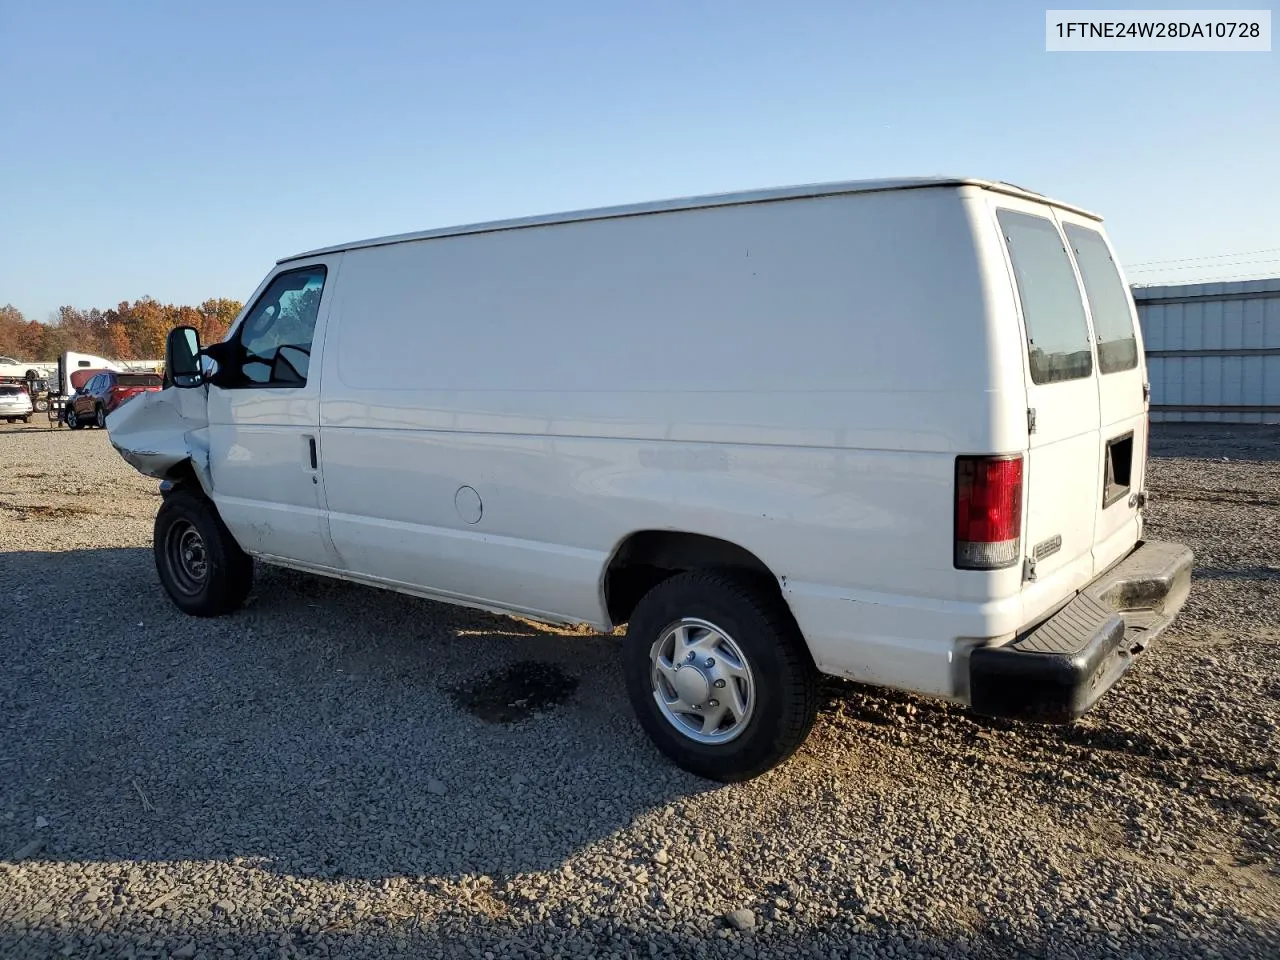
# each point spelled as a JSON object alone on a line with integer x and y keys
{"x": 646, "y": 558}
{"x": 183, "y": 474}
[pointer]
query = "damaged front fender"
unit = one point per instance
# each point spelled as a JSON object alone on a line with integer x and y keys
{"x": 159, "y": 433}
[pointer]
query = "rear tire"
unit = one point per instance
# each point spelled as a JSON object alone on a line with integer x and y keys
{"x": 26, "y": 419}
{"x": 737, "y": 642}
{"x": 201, "y": 566}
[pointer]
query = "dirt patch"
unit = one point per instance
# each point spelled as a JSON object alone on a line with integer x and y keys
{"x": 43, "y": 511}
{"x": 516, "y": 692}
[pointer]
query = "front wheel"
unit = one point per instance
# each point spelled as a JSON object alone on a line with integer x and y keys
{"x": 719, "y": 675}
{"x": 203, "y": 569}
{"x": 72, "y": 420}
{"x": 100, "y": 417}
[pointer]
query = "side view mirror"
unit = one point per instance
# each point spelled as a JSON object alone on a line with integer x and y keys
{"x": 182, "y": 367}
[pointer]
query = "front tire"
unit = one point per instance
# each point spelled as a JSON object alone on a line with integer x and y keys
{"x": 203, "y": 569}
{"x": 72, "y": 420}
{"x": 100, "y": 415}
{"x": 727, "y": 640}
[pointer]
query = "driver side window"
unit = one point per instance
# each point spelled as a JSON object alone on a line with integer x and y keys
{"x": 273, "y": 345}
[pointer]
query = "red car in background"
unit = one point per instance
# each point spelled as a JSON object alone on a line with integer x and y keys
{"x": 105, "y": 391}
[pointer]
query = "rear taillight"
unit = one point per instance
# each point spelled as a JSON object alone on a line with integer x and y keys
{"x": 988, "y": 512}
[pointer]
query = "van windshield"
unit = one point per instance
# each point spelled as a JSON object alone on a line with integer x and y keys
{"x": 1108, "y": 300}
{"x": 1057, "y": 334}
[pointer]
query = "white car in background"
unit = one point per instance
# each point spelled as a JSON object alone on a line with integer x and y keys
{"x": 24, "y": 369}
{"x": 15, "y": 403}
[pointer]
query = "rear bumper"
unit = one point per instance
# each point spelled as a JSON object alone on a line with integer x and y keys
{"x": 1057, "y": 671}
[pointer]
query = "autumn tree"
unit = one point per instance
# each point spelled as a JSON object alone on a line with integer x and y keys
{"x": 216, "y": 318}
{"x": 127, "y": 331}
{"x": 119, "y": 344}
{"x": 12, "y": 325}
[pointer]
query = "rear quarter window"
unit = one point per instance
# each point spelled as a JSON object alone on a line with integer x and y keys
{"x": 139, "y": 380}
{"x": 1108, "y": 300}
{"x": 1057, "y": 334}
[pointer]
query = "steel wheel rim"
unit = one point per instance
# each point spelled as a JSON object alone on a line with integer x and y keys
{"x": 187, "y": 556}
{"x": 694, "y": 660}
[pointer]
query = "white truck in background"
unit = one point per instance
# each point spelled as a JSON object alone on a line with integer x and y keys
{"x": 70, "y": 362}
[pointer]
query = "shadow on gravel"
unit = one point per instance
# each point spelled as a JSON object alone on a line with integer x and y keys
{"x": 878, "y": 936}
{"x": 316, "y": 735}
{"x": 327, "y": 730}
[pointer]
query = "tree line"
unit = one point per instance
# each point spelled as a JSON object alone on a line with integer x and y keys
{"x": 128, "y": 331}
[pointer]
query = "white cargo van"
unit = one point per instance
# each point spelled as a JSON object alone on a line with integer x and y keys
{"x": 893, "y": 431}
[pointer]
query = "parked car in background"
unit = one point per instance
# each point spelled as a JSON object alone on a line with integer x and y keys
{"x": 15, "y": 402}
{"x": 78, "y": 381}
{"x": 103, "y": 393}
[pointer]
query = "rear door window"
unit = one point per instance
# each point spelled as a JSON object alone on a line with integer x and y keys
{"x": 1057, "y": 333}
{"x": 1108, "y": 300}
{"x": 139, "y": 380}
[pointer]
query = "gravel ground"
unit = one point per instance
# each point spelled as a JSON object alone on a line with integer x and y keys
{"x": 319, "y": 775}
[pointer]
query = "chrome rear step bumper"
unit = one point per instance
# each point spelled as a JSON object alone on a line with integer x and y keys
{"x": 1056, "y": 672}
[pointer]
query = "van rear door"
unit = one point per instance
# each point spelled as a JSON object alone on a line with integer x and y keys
{"x": 1121, "y": 381}
{"x": 1063, "y": 405}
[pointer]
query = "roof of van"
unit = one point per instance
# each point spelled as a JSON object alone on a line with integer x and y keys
{"x": 696, "y": 202}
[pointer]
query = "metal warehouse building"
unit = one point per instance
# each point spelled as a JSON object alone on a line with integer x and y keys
{"x": 1213, "y": 350}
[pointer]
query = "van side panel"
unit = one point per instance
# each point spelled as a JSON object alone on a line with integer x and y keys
{"x": 795, "y": 377}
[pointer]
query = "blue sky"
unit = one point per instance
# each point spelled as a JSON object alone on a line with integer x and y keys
{"x": 177, "y": 149}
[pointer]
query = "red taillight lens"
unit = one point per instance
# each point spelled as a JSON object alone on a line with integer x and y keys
{"x": 988, "y": 512}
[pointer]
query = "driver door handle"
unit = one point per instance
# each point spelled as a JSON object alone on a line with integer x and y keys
{"x": 311, "y": 452}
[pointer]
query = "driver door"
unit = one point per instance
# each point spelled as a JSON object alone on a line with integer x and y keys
{"x": 264, "y": 419}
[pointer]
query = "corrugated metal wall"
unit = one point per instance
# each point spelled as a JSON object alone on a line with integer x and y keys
{"x": 1213, "y": 351}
